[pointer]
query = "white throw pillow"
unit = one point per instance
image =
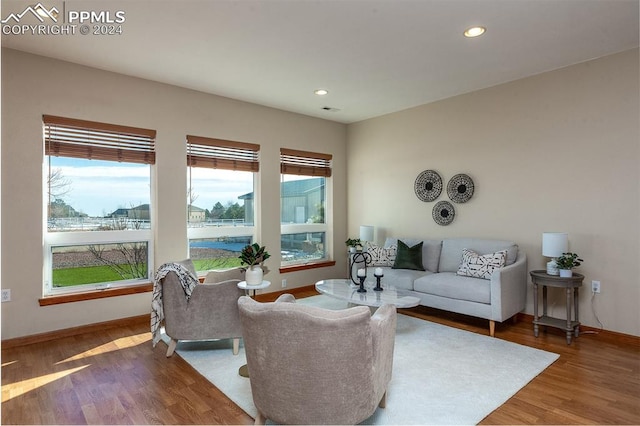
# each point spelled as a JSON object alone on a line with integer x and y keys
{"x": 481, "y": 266}
{"x": 382, "y": 256}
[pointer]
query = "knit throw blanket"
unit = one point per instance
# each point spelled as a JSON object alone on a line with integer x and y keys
{"x": 188, "y": 282}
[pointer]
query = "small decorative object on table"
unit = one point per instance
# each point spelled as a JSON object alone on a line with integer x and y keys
{"x": 378, "y": 274}
{"x": 567, "y": 262}
{"x": 254, "y": 256}
{"x": 354, "y": 244}
{"x": 362, "y": 275}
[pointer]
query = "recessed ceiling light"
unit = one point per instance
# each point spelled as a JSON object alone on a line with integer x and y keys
{"x": 321, "y": 92}
{"x": 474, "y": 32}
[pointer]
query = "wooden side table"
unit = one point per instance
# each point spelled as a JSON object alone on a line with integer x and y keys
{"x": 571, "y": 285}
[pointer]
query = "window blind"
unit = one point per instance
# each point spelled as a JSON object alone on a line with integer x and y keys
{"x": 222, "y": 154}
{"x": 294, "y": 162}
{"x": 68, "y": 137}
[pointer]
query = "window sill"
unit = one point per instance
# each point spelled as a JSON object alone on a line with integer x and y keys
{"x": 294, "y": 268}
{"x": 96, "y": 294}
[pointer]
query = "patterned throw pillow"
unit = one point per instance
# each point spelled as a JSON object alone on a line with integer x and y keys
{"x": 382, "y": 256}
{"x": 481, "y": 266}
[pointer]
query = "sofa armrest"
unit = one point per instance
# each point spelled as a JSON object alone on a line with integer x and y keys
{"x": 383, "y": 333}
{"x": 509, "y": 289}
{"x": 286, "y": 298}
{"x": 215, "y": 303}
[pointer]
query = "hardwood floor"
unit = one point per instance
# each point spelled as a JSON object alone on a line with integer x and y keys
{"x": 116, "y": 377}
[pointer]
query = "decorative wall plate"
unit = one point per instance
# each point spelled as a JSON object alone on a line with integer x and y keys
{"x": 443, "y": 213}
{"x": 428, "y": 185}
{"x": 460, "y": 188}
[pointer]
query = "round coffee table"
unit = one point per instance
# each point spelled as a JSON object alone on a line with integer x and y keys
{"x": 345, "y": 290}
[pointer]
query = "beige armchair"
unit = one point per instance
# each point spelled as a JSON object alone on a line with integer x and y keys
{"x": 309, "y": 365}
{"x": 211, "y": 313}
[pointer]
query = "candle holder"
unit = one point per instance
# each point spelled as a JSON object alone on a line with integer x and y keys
{"x": 362, "y": 289}
{"x": 377, "y": 287}
{"x": 359, "y": 257}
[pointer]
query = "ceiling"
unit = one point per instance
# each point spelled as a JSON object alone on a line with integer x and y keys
{"x": 374, "y": 57}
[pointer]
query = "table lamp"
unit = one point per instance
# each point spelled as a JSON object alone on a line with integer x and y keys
{"x": 366, "y": 234}
{"x": 553, "y": 245}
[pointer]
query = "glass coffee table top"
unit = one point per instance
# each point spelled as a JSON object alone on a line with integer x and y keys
{"x": 345, "y": 290}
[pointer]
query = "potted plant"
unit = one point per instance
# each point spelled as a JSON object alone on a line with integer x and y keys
{"x": 567, "y": 262}
{"x": 354, "y": 244}
{"x": 254, "y": 255}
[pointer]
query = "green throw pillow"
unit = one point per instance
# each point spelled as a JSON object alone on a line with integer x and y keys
{"x": 409, "y": 257}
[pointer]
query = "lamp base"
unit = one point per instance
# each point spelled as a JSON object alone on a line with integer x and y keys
{"x": 552, "y": 268}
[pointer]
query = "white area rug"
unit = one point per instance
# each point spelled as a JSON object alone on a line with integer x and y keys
{"x": 441, "y": 375}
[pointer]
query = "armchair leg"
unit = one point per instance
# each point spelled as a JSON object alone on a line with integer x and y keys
{"x": 260, "y": 419}
{"x": 236, "y": 346}
{"x": 492, "y": 328}
{"x": 383, "y": 401}
{"x": 172, "y": 347}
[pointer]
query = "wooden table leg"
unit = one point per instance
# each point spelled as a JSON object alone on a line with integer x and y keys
{"x": 535, "y": 310}
{"x": 569, "y": 329}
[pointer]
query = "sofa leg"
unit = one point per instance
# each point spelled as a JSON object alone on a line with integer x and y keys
{"x": 260, "y": 420}
{"x": 492, "y": 328}
{"x": 236, "y": 346}
{"x": 172, "y": 347}
{"x": 383, "y": 401}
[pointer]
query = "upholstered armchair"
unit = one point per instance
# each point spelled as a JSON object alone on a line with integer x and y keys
{"x": 211, "y": 313}
{"x": 309, "y": 365}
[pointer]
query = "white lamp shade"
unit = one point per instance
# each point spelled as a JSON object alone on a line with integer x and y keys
{"x": 554, "y": 244}
{"x": 366, "y": 233}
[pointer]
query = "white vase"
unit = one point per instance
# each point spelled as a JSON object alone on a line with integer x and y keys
{"x": 566, "y": 273}
{"x": 254, "y": 275}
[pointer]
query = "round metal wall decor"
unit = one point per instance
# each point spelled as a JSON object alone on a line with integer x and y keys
{"x": 460, "y": 188}
{"x": 443, "y": 213}
{"x": 428, "y": 185}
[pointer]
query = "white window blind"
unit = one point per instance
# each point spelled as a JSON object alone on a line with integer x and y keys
{"x": 295, "y": 162}
{"x": 222, "y": 154}
{"x": 68, "y": 137}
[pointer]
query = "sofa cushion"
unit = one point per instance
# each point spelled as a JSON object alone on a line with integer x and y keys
{"x": 409, "y": 257}
{"x": 430, "y": 250}
{"x": 481, "y": 266}
{"x": 450, "y": 285}
{"x": 401, "y": 278}
{"x": 452, "y": 251}
{"x": 382, "y": 256}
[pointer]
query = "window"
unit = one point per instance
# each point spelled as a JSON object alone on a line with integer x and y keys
{"x": 220, "y": 200}
{"x": 97, "y": 189}
{"x": 303, "y": 205}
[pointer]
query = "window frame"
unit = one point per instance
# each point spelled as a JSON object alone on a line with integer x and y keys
{"x": 311, "y": 164}
{"x": 73, "y": 138}
{"x": 229, "y": 155}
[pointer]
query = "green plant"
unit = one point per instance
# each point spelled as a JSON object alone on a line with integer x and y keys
{"x": 353, "y": 242}
{"x": 253, "y": 254}
{"x": 568, "y": 261}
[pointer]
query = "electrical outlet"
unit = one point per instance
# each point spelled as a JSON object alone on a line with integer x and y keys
{"x": 284, "y": 283}
{"x": 6, "y": 295}
{"x": 595, "y": 286}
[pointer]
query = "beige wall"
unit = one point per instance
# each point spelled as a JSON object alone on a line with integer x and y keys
{"x": 33, "y": 85}
{"x": 555, "y": 152}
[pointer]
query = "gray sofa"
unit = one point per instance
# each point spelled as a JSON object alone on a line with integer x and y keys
{"x": 440, "y": 285}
